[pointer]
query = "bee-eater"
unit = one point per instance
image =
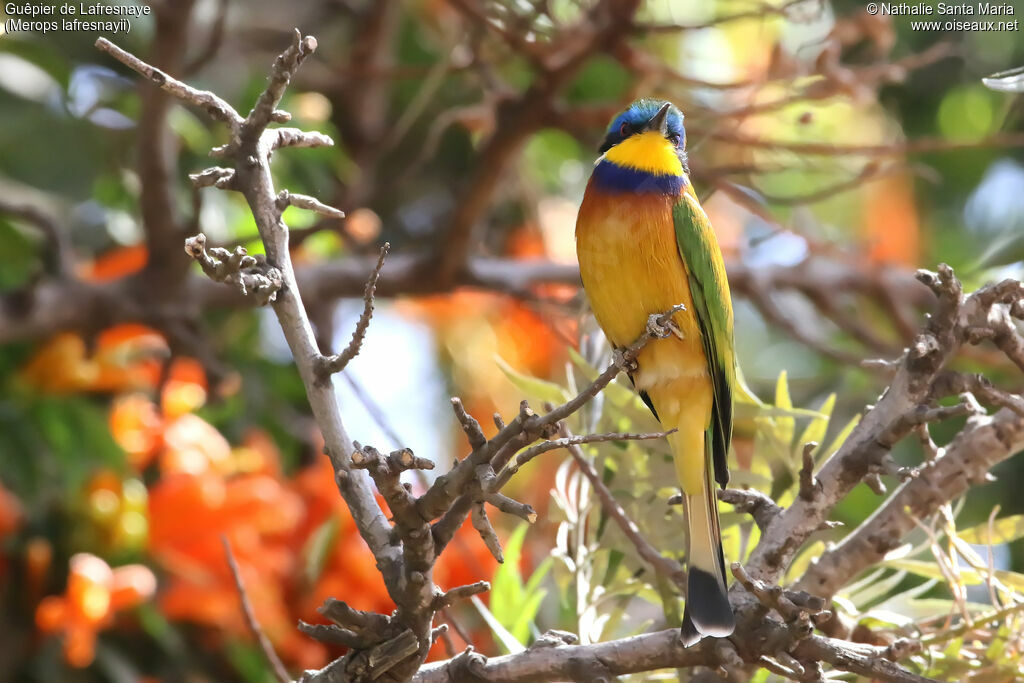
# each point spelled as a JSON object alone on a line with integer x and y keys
{"x": 645, "y": 245}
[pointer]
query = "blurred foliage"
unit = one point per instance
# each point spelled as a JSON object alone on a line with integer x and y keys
{"x": 120, "y": 464}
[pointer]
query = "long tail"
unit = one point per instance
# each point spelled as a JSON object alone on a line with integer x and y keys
{"x": 686, "y": 404}
{"x": 708, "y": 612}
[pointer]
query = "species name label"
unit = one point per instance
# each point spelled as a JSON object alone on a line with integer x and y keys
{"x": 65, "y": 17}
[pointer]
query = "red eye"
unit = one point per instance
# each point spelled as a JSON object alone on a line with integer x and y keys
{"x": 624, "y": 129}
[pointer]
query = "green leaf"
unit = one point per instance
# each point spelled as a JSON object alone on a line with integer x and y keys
{"x": 747, "y": 411}
{"x": 157, "y": 627}
{"x": 803, "y": 560}
{"x": 249, "y": 662}
{"x": 19, "y": 257}
{"x": 817, "y": 427}
{"x": 513, "y": 604}
{"x": 968, "y": 575}
{"x": 1003, "y": 530}
{"x": 531, "y": 386}
{"x": 784, "y": 426}
{"x": 760, "y": 676}
{"x": 531, "y": 605}
{"x": 533, "y": 583}
{"x": 954, "y": 648}
{"x": 506, "y": 585}
{"x": 863, "y": 583}
{"x": 900, "y": 601}
{"x": 318, "y": 548}
{"x": 878, "y": 589}
{"x": 840, "y": 439}
{"x": 505, "y": 639}
{"x": 534, "y": 596}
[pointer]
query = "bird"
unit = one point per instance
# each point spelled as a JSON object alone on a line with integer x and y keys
{"x": 645, "y": 245}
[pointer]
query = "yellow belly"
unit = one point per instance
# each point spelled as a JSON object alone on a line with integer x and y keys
{"x": 631, "y": 269}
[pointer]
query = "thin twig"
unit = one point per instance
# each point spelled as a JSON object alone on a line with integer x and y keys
{"x": 328, "y": 365}
{"x": 250, "y": 617}
{"x": 213, "y": 105}
{"x": 671, "y": 569}
{"x": 532, "y": 452}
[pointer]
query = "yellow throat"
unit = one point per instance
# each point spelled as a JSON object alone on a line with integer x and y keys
{"x": 649, "y": 152}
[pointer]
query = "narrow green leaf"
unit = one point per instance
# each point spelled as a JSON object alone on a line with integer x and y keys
{"x": 533, "y": 583}
{"x": 749, "y": 412}
{"x": 878, "y": 589}
{"x": 505, "y": 639}
{"x": 816, "y": 428}
{"x": 532, "y": 387}
{"x": 840, "y": 439}
{"x": 784, "y": 426}
{"x": 531, "y": 605}
{"x": 1003, "y": 530}
{"x": 318, "y": 549}
{"x": 618, "y": 394}
{"x": 506, "y": 584}
{"x": 863, "y": 583}
{"x": 968, "y": 575}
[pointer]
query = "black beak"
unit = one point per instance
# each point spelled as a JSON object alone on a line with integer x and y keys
{"x": 659, "y": 122}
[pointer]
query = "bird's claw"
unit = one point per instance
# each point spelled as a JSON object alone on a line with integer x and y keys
{"x": 661, "y": 325}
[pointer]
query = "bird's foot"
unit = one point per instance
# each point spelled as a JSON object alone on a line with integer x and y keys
{"x": 661, "y": 325}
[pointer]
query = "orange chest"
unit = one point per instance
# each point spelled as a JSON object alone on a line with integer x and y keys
{"x": 631, "y": 268}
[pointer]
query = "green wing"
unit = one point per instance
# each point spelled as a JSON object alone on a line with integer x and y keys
{"x": 709, "y": 288}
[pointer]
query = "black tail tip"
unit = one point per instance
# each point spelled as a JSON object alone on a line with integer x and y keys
{"x": 708, "y": 612}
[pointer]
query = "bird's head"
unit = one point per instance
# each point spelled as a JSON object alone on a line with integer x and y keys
{"x": 649, "y": 136}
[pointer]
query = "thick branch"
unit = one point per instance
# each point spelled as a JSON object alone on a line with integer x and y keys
{"x": 880, "y": 428}
{"x": 985, "y": 442}
{"x": 654, "y": 651}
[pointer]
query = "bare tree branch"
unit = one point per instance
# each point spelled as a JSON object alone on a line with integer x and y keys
{"x": 651, "y": 652}
{"x": 671, "y": 569}
{"x": 985, "y": 442}
{"x": 887, "y": 422}
{"x": 250, "y": 618}
{"x": 327, "y": 366}
{"x": 237, "y": 268}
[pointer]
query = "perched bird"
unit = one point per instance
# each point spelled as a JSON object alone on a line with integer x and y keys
{"x": 645, "y": 245}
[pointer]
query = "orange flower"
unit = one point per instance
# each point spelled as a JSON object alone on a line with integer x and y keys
{"x": 115, "y": 264}
{"x": 137, "y": 428}
{"x": 125, "y": 357}
{"x": 890, "y": 225}
{"x": 192, "y": 445}
{"x": 94, "y": 592}
{"x": 191, "y": 512}
{"x": 185, "y": 389}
